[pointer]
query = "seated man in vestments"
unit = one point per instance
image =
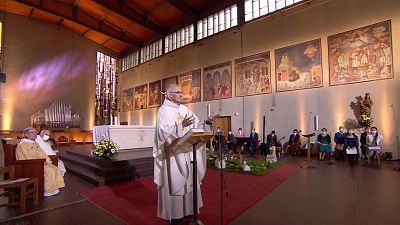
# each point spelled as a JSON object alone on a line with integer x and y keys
{"x": 173, "y": 171}
{"x": 28, "y": 148}
{"x": 42, "y": 140}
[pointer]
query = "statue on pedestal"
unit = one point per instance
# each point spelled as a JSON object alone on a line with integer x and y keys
{"x": 365, "y": 108}
{"x": 366, "y": 105}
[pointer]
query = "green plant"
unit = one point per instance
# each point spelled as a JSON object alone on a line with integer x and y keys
{"x": 365, "y": 120}
{"x": 258, "y": 167}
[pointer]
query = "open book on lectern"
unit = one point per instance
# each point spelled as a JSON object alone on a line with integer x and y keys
{"x": 191, "y": 137}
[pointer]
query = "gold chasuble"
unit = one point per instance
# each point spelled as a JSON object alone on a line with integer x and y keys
{"x": 53, "y": 180}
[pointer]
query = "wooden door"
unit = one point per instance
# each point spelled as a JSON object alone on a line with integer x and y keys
{"x": 224, "y": 122}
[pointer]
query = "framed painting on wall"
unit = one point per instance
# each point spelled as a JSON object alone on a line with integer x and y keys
{"x": 298, "y": 66}
{"x": 190, "y": 84}
{"x": 166, "y": 82}
{"x": 155, "y": 94}
{"x": 360, "y": 55}
{"x": 253, "y": 75}
{"x": 127, "y": 100}
{"x": 217, "y": 82}
{"x": 141, "y": 97}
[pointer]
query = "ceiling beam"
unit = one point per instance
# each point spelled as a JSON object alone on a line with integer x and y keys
{"x": 124, "y": 10}
{"x": 181, "y": 6}
{"x": 76, "y": 15}
{"x": 216, "y": 6}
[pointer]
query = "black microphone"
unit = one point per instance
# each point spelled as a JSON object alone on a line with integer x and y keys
{"x": 209, "y": 122}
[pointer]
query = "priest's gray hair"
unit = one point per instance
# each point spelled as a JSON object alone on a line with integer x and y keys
{"x": 170, "y": 89}
{"x": 26, "y": 130}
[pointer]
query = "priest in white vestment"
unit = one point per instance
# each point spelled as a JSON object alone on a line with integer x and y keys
{"x": 173, "y": 171}
{"x": 42, "y": 140}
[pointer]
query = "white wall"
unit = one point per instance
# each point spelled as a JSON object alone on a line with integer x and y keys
{"x": 293, "y": 108}
{"x": 43, "y": 63}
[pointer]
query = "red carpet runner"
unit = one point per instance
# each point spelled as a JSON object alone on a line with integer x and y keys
{"x": 135, "y": 202}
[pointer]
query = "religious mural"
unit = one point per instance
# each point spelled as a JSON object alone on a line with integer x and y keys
{"x": 155, "y": 94}
{"x": 217, "y": 81}
{"x": 166, "y": 82}
{"x": 190, "y": 84}
{"x": 298, "y": 66}
{"x": 253, "y": 75}
{"x": 141, "y": 97}
{"x": 359, "y": 55}
{"x": 127, "y": 100}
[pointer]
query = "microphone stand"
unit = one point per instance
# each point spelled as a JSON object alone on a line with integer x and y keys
{"x": 223, "y": 181}
{"x": 397, "y": 137}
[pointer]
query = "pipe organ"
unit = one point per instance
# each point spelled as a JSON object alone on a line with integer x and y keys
{"x": 57, "y": 115}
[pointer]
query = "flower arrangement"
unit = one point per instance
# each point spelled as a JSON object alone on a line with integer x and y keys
{"x": 105, "y": 149}
{"x": 365, "y": 120}
{"x": 234, "y": 163}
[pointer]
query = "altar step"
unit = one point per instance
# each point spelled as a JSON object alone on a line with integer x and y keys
{"x": 128, "y": 165}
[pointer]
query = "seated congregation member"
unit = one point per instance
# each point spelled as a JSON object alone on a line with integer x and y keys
{"x": 253, "y": 141}
{"x": 363, "y": 142}
{"x": 230, "y": 140}
{"x": 324, "y": 141}
{"x": 239, "y": 133}
{"x": 272, "y": 140}
{"x": 339, "y": 140}
{"x": 294, "y": 142}
{"x": 351, "y": 146}
{"x": 374, "y": 141}
{"x": 43, "y": 140}
{"x": 28, "y": 148}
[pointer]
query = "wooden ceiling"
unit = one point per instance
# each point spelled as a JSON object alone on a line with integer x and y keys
{"x": 123, "y": 26}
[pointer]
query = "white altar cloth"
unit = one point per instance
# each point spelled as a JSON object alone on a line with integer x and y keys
{"x": 126, "y": 136}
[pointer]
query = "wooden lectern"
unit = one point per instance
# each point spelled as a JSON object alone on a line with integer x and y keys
{"x": 308, "y": 136}
{"x": 196, "y": 137}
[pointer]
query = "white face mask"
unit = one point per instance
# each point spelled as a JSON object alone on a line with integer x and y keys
{"x": 45, "y": 137}
{"x": 373, "y": 132}
{"x": 341, "y": 130}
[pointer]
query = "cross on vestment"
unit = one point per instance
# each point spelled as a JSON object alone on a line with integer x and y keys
{"x": 180, "y": 117}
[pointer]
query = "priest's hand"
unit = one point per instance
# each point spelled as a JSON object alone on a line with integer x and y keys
{"x": 187, "y": 121}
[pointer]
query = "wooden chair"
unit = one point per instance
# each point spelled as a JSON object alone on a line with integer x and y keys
{"x": 62, "y": 140}
{"x": 26, "y": 168}
{"x": 17, "y": 190}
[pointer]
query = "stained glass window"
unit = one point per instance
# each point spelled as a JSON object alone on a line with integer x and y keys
{"x": 106, "y": 89}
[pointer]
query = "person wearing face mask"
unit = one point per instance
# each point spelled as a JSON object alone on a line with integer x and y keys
{"x": 339, "y": 140}
{"x": 324, "y": 141}
{"x": 239, "y": 133}
{"x": 231, "y": 140}
{"x": 218, "y": 139}
{"x": 272, "y": 140}
{"x": 28, "y": 148}
{"x": 374, "y": 141}
{"x": 253, "y": 141}
{"x": 363, "y": 141}
{"x": 294, "y": 143}
{"x": 351, "y": 145}
{"x": 43, "y": 140}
